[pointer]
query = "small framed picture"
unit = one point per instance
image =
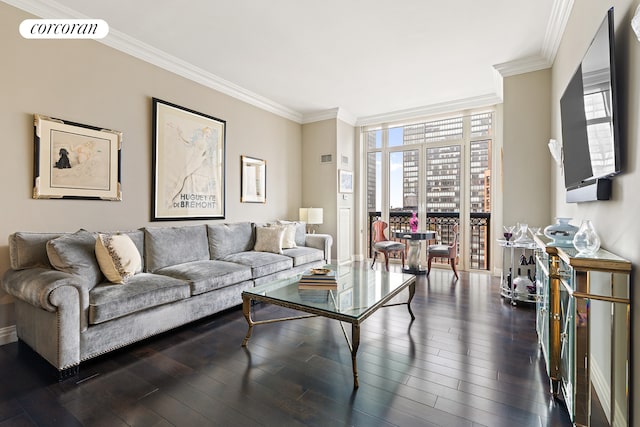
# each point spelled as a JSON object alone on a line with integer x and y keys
{"x": 345, "y": 181}
{"x": 253, "y": 180}
{"x": 76, "y": 161}
{"x": 188, "y": 164}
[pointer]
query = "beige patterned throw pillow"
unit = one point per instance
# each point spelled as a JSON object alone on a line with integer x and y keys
{"x": 118, "y": 257}
{"x": 269, "y": 239}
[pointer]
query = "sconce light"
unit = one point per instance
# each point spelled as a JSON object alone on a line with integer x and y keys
{"x": 635, "y": 23}
{"x": 312, "y": 216}
{"x": 555, "y": 148}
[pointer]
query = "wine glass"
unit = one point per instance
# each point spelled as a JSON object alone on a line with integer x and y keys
{"x": 508, "y": 232}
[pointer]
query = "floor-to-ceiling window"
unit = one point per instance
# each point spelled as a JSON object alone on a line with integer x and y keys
{"x": 440, "y": 169}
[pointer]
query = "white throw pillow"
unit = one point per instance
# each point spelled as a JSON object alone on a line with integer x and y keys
{"x": 118, "y": 257}
{"x": 269, "y": 239}
{"x": 289, "y": 238}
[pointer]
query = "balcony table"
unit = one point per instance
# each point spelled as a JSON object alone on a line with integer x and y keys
{"x": 415, "y": 244}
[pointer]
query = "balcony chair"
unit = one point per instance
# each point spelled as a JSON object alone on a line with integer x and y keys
{"x": 383, "y": 245}
{"x": 449, "y": 251}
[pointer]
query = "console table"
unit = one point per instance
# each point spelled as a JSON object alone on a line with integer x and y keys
{"x": 584, "y": 330}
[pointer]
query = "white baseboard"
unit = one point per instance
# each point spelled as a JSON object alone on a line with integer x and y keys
{"x": 8, "y": 335}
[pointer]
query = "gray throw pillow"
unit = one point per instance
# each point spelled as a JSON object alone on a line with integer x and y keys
{"x": 75, "y": 254}
{"x": 29, "y": 249}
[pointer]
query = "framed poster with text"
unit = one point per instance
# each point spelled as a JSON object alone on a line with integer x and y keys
{"x": 188, "y": 164}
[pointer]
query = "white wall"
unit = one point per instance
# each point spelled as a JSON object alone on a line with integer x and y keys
{"x": 320, "y": 180}
{"x": 90, "y": 83}
{"x": 346, "y": 204}
{"x": 526, "y": 160}
{"x": 615, "y": 220}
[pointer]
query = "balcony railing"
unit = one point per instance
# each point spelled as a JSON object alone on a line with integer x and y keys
{"x": 442, "y": 223}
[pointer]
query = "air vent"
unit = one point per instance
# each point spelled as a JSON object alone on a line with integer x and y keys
{"x": 326, "y": 158}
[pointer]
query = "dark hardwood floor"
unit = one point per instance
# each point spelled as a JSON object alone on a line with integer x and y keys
{"x": 469, "y": 359}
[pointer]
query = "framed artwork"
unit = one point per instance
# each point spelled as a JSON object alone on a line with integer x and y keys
{"x": 188, "y": 164}
{"x": 345, "y": 181}
{"x": 253, "y": 180}
{"x": 75, "y": 161}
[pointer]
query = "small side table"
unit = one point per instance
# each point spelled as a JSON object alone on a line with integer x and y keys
{"x": 415, "y": 244}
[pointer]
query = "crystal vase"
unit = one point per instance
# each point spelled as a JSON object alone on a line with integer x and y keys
{"x": 586, "y": 239}
{"x": 522, "y": 235}
{"x": 561, "y": 232}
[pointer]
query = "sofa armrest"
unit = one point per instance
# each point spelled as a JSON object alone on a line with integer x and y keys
{"x": 39, "y": 286}
{"x": 322, "y": 242}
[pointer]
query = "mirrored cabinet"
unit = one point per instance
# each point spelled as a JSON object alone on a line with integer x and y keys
{"x": 583, "y": 323}
{"x": 543, "y": 308}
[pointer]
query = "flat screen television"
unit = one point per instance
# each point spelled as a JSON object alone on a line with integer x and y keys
{"x": 589, "y": 115}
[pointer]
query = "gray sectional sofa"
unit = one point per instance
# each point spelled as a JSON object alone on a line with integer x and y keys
{"x": 70, "y": 313}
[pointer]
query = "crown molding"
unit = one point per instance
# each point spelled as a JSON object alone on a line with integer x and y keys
{"x": 50, "y": 10}
{"x": 159, "y": 58}
{"x": 553, "y": 36}
{"x": 555, "y": 28}
{"x": 430, "y": 110}
{"x": 131, "y": 46}
{"x": 333, "y": 113}
{"x": 522, "y": 65}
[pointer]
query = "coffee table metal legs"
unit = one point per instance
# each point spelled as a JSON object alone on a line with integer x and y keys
{"x": 246, "y": 310}
{"x": 412, "y": 292}
{"x": 355, "y": 338}
{"x": 353, "y": 343}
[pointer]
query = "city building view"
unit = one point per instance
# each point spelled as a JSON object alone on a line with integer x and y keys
{"x": 433, "y": 152}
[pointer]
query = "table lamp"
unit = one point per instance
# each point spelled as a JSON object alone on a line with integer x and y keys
{"x": 312, "y": 216}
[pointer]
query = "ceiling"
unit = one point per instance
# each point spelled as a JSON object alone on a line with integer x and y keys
{"x": 364, "y": 60}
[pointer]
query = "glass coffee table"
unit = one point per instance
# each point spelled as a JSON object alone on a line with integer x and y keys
{"x": 360, "y": 291}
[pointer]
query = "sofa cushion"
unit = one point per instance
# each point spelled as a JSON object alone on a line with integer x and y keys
{"x": 166, "y": 246}
{"x": 204, "y": 276}
{"x": 108, "y": 301}
{"x": 227, "y": 239}
{"x": 118, "y": 257}
{"x": 261, "y": 263}
{"x": 28, "y": 250}
{"x": 269, "y": 239}
{"x": 303, "y": 255}
{"x": 75, "y": 254}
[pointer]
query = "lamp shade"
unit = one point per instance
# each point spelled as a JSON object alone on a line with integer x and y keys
{"x": 311, "y": 215}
